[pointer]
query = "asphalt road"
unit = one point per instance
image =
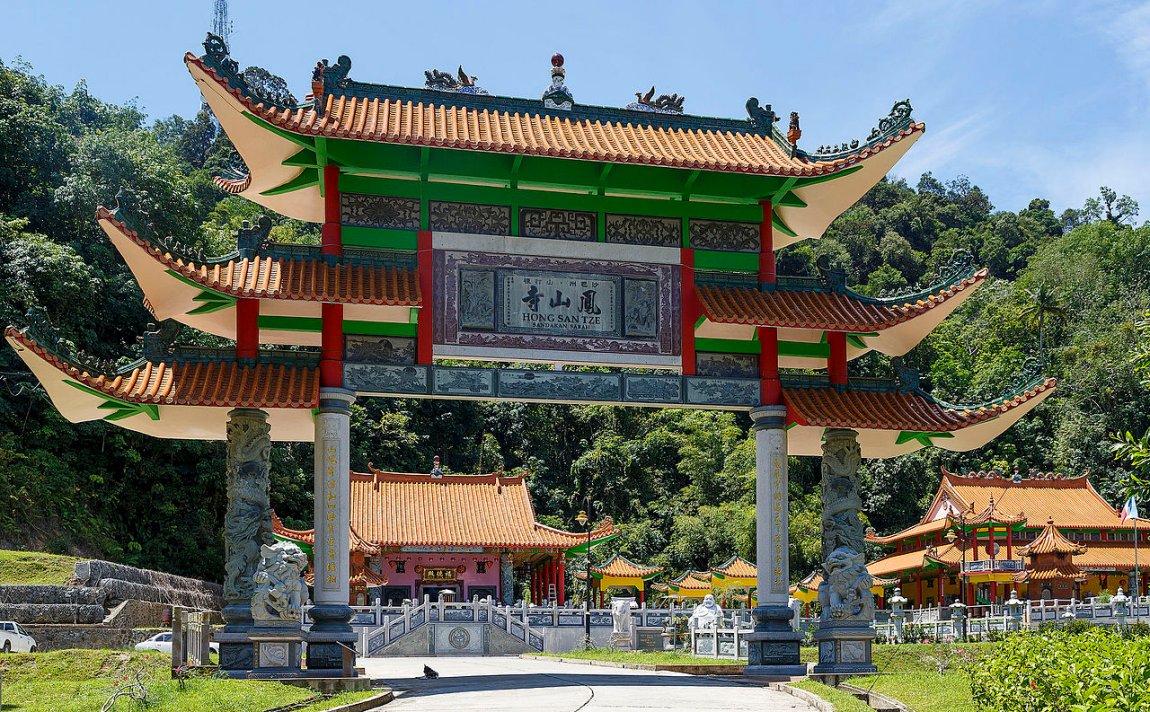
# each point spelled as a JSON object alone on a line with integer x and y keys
{"x": 511, "y": 684}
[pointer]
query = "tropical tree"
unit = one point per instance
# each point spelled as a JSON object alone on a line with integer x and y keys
{"x": 1045, "y": 304}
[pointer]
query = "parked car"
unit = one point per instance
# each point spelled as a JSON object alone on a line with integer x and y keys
{"x": 163, "y": 643}
{"x": 14, "y": 639}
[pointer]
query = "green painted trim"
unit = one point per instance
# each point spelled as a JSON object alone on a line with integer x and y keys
{"x": 783, "y": 190}
{"x": 789, "y": 200}
{"x": 315, "y": 325}
{"x": 804, "y": 349}
{"x": 304, "y": 158}
{"x": 726, "y": 346}
{"x": 726, "y": 261}
{"x": 924, "y": 439}
{"x": 815, "y": 180}
{"x": 297, "y": 139}
{"x": 354, "y": 236}
{"x": 210, "y": 300}
{"x": 122, "y": 408}
{"x": 307, "y": 178}
{"x": 778, "y": 224}
{"x": 703, "y": 318}
{"x": 582, "y": 548}
{"x": 859, "y": 340}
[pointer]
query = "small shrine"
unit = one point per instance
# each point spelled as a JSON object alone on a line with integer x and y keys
{"x": 621, "y": 573}
{"x": 1050, "y": 569}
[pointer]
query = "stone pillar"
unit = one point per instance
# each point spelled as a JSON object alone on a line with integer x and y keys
{"x": 773, "y": 647}
{"x": 247, "y": 527}
{"x": 331, "y": 615}
{"x": 507, "y": 579}
{"x": 846, "y": 629}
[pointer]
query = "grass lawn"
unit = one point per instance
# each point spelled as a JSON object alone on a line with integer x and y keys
{"x": 81, "y": 680}
{"x": 842, "y": 701}
{"x": 642, "y": 657}
{"x": 33, "y": 567}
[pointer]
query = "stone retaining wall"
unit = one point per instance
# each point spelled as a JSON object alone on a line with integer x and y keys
{"x": 128, "y": 582}
{"x": 88, "y": 637}
{"x": 82, "y": 595}
{"x": 51, "y": 613}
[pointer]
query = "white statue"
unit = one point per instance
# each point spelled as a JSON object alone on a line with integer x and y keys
{"x": 621, "y": 614}
{"x": 796, "y": 607}
{"x": 707, "y": 614}
{"x": 279, "y": 585}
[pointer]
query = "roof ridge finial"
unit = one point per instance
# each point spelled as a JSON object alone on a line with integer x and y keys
{"x": 436, "y": 469}
{"x": 558, "y": 96}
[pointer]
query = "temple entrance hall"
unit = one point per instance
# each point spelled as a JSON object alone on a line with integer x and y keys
{"x": 515, "y": 684}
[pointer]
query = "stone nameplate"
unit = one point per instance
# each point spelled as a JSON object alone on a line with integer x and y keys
{"x": 561, "y": 303}
{"x": 648, "y": 638}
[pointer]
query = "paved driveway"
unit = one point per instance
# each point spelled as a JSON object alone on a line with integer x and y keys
{"x": 512, "y": 684}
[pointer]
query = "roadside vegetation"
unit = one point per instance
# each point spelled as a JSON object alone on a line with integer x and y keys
{"x": 85, "y": 680}
{"x": 33, "y": 567}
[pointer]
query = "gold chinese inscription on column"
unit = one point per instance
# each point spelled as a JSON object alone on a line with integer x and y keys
{"x": 778, "y": 560}
{"x": 331, "y": 507}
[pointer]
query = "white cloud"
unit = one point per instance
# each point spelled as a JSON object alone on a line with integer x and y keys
{"x": 1127, "y": 28}
{"x": 937, "y": 150}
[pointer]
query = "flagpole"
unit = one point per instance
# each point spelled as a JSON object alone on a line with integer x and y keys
{"x": 1137, "y": 578}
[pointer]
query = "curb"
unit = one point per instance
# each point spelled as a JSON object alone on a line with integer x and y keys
{"x": 371, "y": 703}
{"x": 809, "y": 697}
{"x": 876, "y": 700}
{"x": 719, "y": 670}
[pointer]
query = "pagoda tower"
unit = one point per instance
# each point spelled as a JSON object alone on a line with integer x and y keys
{"x": 461, "y": 225}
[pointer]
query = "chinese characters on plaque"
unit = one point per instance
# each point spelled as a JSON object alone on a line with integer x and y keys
{"x": 778, "y": 514}
{"x": 331, "y": 507}
{"x": 559, "y": 302}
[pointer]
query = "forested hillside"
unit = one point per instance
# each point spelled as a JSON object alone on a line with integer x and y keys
{"x": 679, "y": 483}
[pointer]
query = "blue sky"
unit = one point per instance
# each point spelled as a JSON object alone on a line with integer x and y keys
{"x": 1035, "y": 99}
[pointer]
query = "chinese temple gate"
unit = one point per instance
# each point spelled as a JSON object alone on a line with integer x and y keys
{"x": 457, "y": 224}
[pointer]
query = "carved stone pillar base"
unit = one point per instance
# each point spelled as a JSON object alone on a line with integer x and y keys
{"x": 844, "y": 648}
{"x": 773, "y": 648}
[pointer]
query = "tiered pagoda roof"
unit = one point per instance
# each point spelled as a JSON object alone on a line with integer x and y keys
{"x": 898, "y": 420}
{"x": 692, "y": 584}
{"x": 392, "y": 510}
{"x": 291, "y": 281}
{"x": 1051, "y": 557}
{"x": 472, "y": 137}
{"x": 620, "y": 567}
{"x": 735, "y": 572}
{"x": 803, "y": 310}
{"x": 198, "y": 388}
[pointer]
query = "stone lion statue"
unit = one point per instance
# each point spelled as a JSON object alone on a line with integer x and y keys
{"x": 279, "y": 586}
{"x": 845, "y": 592}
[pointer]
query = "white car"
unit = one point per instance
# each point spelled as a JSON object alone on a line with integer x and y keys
{"x": 163, "y": 643}
{"x": 14, "y": 639}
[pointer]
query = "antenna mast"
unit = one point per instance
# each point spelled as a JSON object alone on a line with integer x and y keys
{"x": 221, "y": 25}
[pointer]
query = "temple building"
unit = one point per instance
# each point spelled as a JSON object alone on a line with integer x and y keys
{"x": 415, "y": 535}
{"x": 1049, "y": 535}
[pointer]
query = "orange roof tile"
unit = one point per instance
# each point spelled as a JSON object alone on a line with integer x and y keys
{"x": 1071, "y": 502}
{"x": 307, "y": 536}
{"x": 1051, "y": 541}
{"x": 805, "y": 309}
{"x": 435, "y": 124}
{"x": 281, "y": 278}
{"x": 1111, "y": 555}
{"x": 1069, "y": 571}
{"x": 892, "y": 410}
{"x": 214, "y": 383}
{"x": 620, "y": 567}
{"x": 392, "y": 509}
{"x": 736, "y": 567}
{"x": 813, "y": 580}
{"x": 692, "y": 581}
{"x": 991, "y": 514}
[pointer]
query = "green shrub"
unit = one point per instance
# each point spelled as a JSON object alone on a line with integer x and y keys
{"x": 1094, "y": 670}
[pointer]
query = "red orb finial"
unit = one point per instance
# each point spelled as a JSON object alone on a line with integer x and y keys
{"x": 556, "y": 60}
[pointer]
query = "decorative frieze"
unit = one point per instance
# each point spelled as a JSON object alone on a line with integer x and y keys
{"x": 471, "y": 218}
{"x": 558, "y": 224}
{"x": 640, "y": 304}
{"x": 721, "y": 365}
{"x": 725, "y": 391}
{"x": 477, "y": 299}
{"x": 644, "y": 230}
{"x": 361, "y": 210}
{"x": 362, "y": 348}
{"x": 724, "y": 235}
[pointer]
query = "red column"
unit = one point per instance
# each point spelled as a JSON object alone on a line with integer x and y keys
{"x": 247, "y": 328}
{"x": 767, "y": 273}
{"x": 771, "y": 391}
{"x": 600, "y": 598}
{"x": 331, "y": 234}
{"x": 1010, "y": 542}
{"x": 423, "y": 326}
{"x": 837, "y": 362}
{"x": 689, "y": 304}
{"x": 562, "y": 580}
{"x": 331, "y": 239}
{"x": 643, "y": 595}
